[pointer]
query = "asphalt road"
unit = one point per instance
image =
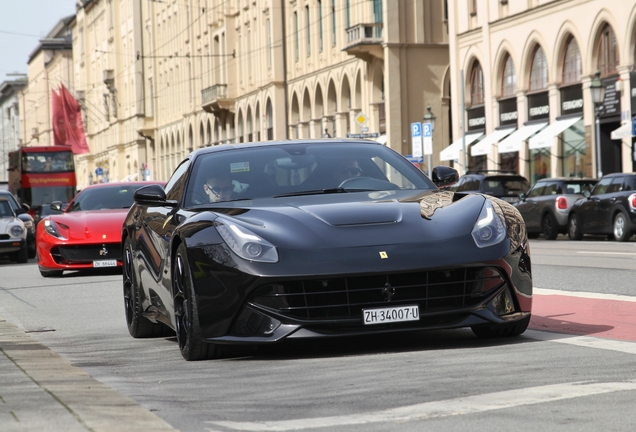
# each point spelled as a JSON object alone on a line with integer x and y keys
{"x": 574, "y": 370}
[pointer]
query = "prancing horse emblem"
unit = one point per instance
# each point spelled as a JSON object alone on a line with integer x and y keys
{"x": 103, "y": 251}
{"x": 388, "y": 291}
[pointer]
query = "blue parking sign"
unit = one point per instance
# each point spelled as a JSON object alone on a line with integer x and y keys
{"x": 416, "y": 129}
{"x": 427, "y": 129}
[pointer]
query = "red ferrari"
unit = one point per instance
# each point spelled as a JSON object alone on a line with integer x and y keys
{"x": 87, "y": 234}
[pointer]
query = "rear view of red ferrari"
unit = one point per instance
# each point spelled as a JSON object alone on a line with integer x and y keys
{"x": 87, "y": 234}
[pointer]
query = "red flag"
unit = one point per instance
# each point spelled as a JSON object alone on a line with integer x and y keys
{"x": 72, "y": 113}
{"x": 59, "y": 128}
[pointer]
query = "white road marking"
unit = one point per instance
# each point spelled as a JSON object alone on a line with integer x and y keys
{"x": 445, "y": 408}
{"x": 606, "y": 253}
{"x": 582, "y": 294}
{"x": 583, "y": 341}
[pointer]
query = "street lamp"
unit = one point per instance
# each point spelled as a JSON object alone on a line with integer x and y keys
{"x": 597, "y": 87}
{"x": 429, "y": 118}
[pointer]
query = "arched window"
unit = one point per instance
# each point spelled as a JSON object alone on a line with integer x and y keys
{"x": 539, "y": 71}
{"x": 509, "y": 80}
{"x": 607, "y": 52}
{"x": 572, "y": 63}
{"x": 476, "y": 85}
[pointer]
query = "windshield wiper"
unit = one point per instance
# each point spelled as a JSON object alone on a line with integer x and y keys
{"x": 314, "y": 192}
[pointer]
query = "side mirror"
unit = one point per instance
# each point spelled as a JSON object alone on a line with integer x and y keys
{"x": 153, "y": 195}
{"x": 56, "y": 206}
{"x": 444, "y": 176}
{"x": 587, "y": 193}
{"x": 522, "y": 196}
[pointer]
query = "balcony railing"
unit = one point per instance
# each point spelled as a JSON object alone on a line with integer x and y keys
{"x": 215, "y": 98}
{"x": 364, "y": 40}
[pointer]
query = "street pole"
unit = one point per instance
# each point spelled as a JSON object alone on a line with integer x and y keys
{"x": 461, "y": 85}
{"x": 599, "y": 168}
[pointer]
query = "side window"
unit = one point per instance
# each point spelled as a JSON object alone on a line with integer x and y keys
{"x": 537, "y": 190}
{"x": 175, "y": 187}
{"x": 616, "y": 186}
{"x": 551, "y": 189}
{"x": 629, "y": 183}
{"x": 601, "y": 186}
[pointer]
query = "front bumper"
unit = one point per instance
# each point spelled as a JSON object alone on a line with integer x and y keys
{"x": 235, "y": 307}
{"x": 65, "y": 256}
{"x": 11, "y": 245}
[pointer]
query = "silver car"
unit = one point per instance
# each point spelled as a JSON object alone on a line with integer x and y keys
{"x": 546, "y": 206}
{"x": 13, "y": 242}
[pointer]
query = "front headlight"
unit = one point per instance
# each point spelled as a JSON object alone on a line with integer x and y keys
{"x": 490, "y": 228}
{"x": 245, "y": 243}
{"x": 16, "y": 231}
{"x": 51, "y": 229}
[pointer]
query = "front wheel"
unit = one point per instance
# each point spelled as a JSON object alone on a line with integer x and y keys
{"x": 506, "y": 330}
{"x": 186, "y": 311}
{"x": 574, "y": 228}
{"x": 621, "y": 231}
{"x": 138, "y": 325}
{"x": 22, "y": 256}
{"x": 549, "y": 226}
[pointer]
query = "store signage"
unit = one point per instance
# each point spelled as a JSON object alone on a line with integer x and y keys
{"x": 572, "y": 99}
{"x": 508, "y": 114}
{"x": 538, "y": 106}
{"x": 611, "y": 106}
{"x": 476, "y": 119}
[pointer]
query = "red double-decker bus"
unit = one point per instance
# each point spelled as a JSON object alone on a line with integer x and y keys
{"x": 41, "y": 175}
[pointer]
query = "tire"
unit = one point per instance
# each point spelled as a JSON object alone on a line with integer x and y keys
{"x": 186, "y": 311}
{"x": 533, "y": 235}
{"x": 507, "y": 330}
{"x": 620, "y": 228}
{"x": 549, "y": 225}
{"x": 51, "y": 273}
{"x": 574, "y": 228}
{"x": 32, "y": 253}
{"x": 138, "y": 325}
{"x": 22, "y": 256}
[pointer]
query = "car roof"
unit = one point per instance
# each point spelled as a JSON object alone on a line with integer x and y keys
{"x": 225, "y": 147}
{"x": 576, "y": 179}
{"x": 128, "y": 183}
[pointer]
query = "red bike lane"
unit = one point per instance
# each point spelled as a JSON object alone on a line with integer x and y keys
{"x": 583, "y": 314}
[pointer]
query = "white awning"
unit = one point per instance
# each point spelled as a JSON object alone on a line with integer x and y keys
{"x": 452, "y": 151}
{"x": 483, "y": 147}
{"x": 624, "y": 131}
{"x": 546, "y": 137}
{"x": 513, "y": 142}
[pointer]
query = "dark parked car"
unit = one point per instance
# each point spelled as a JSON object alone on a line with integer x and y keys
{"x": 505, "y": 185}
{"x": 609, "y": 209}
{"x": 546, "y": 206}
{"x": 262, "y": 242}
{"x": 26, "y": 218}
{"x": 44, "y": 210}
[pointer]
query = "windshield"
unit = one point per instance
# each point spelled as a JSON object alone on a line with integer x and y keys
{"x": 104, "y": 197}
{"x": 505, "y": 186}
{"x": 300, "y": 169}
{"x": 55, "y": 161}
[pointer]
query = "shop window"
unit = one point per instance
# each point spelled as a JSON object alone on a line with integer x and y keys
{"x": 509, "y": 81}
{"x": 476, "y": 85}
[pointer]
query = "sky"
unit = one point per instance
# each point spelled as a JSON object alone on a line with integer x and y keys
{"x": 22, "y": 24}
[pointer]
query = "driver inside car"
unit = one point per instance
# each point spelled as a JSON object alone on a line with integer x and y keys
{"x": 346, "y": 169}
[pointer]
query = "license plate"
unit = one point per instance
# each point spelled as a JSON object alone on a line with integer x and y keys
{"x": 391, "y": 314}
{"x": 105, "y": 263}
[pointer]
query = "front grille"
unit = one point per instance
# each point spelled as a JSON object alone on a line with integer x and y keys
{"x": 439, "y": 291}
{"x": 4, "y": 237}
{"x": 86, "y": 253}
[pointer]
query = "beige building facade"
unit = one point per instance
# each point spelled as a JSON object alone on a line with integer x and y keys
{"x": 528, "y": 70}
{"x": 159, "y": 79}
{"x": 50, "y": 64}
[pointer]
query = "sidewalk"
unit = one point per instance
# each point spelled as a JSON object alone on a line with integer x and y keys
{"x": 41, "y": 391}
